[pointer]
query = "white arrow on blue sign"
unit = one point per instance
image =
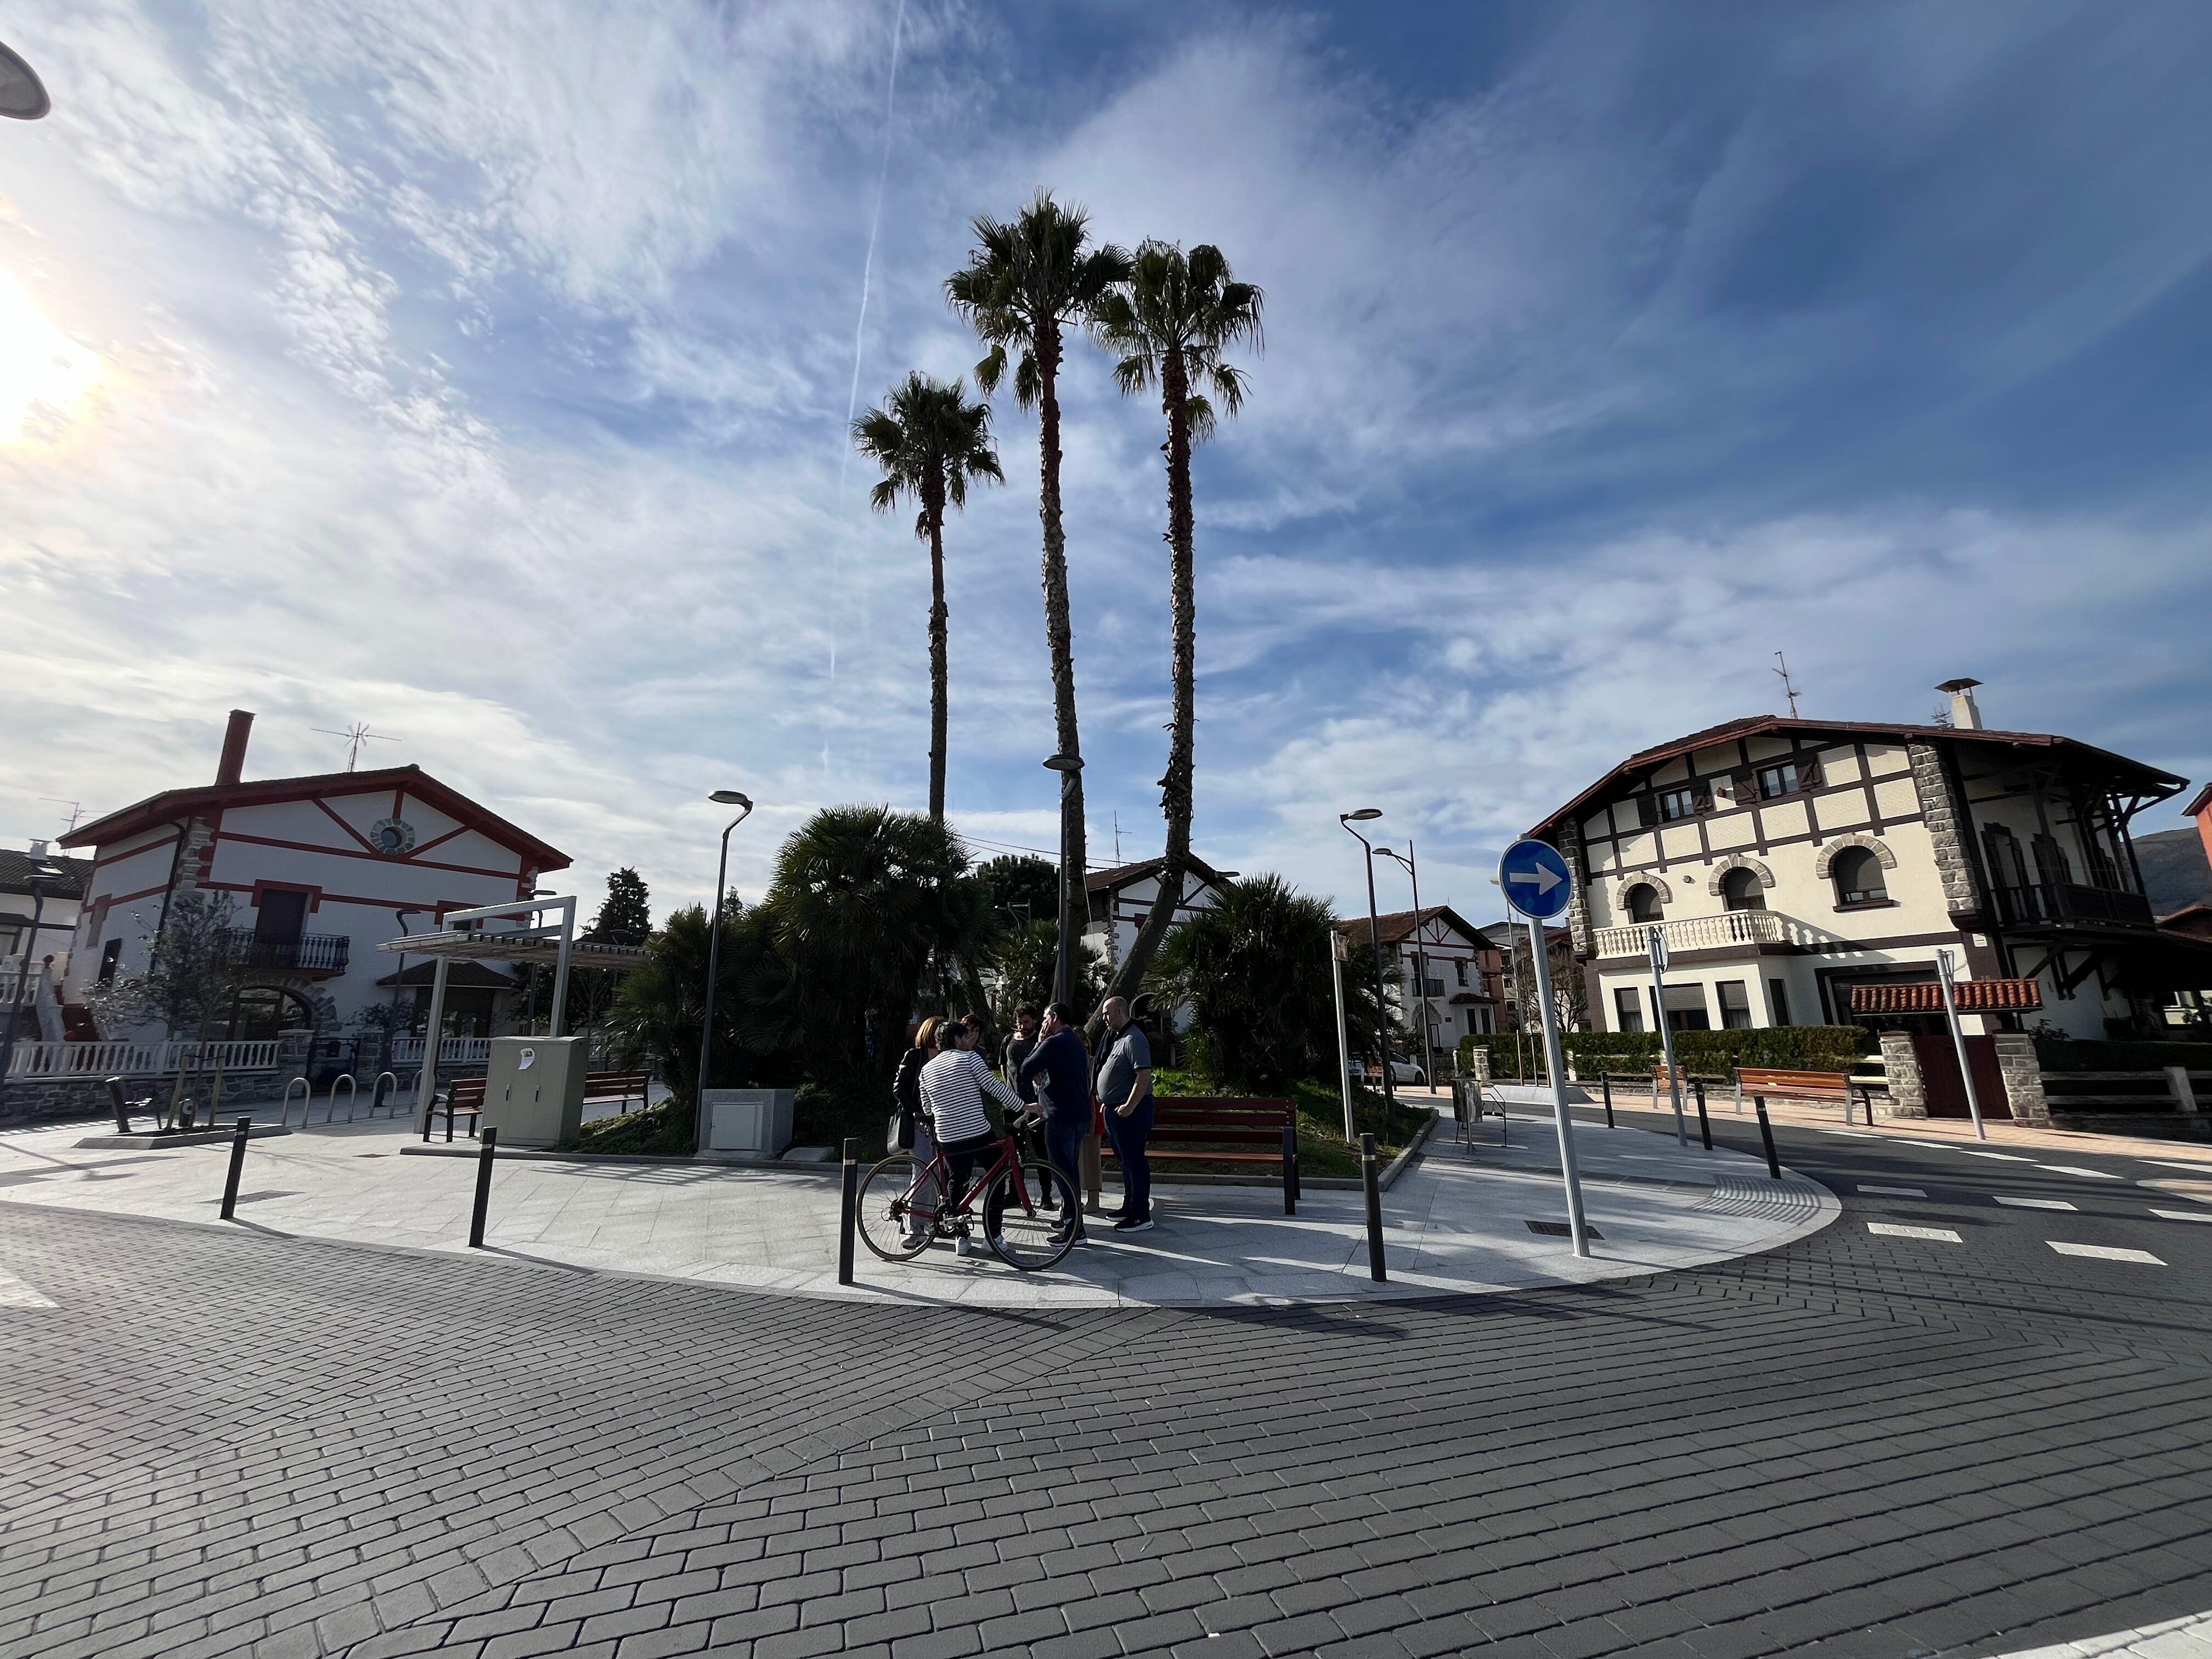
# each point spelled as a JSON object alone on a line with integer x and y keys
{"x": 1536, "y": 879}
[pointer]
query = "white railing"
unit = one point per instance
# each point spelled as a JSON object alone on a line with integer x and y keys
{"x": 1732, "y": 927}
{"x": 44, "y": 1059}
{"x": 452, "y": 1051}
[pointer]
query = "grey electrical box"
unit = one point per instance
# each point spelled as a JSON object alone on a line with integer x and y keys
{"x": 753, "y": 1120}
{"x": 534, "y": 1090}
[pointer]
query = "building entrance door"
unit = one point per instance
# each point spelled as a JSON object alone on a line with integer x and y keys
{"x": 1939, "y": 1076}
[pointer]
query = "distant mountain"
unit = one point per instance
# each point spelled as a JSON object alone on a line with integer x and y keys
{"x": 2174, "y": 870}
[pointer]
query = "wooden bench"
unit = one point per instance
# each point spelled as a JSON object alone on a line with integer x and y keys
{"x": 1822, "y": 1088}
{"x": 1188, "y": 1123}
{"x": 462, "y": 1097}
{"x": 601, "y": 1087}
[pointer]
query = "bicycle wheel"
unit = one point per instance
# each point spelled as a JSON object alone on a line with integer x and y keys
{"x": 898, "y": 1210}
{"x": 1019, "y": 1221}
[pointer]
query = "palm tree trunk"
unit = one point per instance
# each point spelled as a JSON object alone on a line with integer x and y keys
{"x": 1058, "y": 637}
{"x": 1176, "y": 787}
{"x": 939, "y": 664}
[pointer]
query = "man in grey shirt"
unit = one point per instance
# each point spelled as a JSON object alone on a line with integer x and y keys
{"x": 1124, "y": 1088}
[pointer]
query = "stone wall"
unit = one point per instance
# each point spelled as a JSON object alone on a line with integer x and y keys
{"x": 2023, "y": 1076}
{"x": 1946, "y": 830}
{"x": 1908, "y": 1095}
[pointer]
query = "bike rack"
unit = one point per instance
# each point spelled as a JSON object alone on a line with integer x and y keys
{"x": 307, "y": 1100}
{"x": 353, "y": 1095}
{"x": 377, "y": 1095}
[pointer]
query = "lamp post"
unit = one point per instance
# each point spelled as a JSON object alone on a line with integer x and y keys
{"x": 1063, "y": 968}
{"x": 725, "y": 798}
{"x": 39, "y": 877}
{"x": 21, "y": 95}
{"x": 1420, "y": 957}
{"x": 1374, "y": 936}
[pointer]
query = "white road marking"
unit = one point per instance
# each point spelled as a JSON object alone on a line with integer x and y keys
{"x": 1854, "y": 1134}
{"x": 1891, "y": 1229}
{"x": 1893, "y": 1192}
{"x": 2033, "y": 1203}
{"x": 1939, "y": 1145}
{"x": 2006, "y": 1157}
{"x": 2184, "y": 1215}
{"x": 2104, "y": 1252}
{"x": 2168, "y": 1163}
{"x": 15, "y": 1293}
{"x": 2069, "y": 1169}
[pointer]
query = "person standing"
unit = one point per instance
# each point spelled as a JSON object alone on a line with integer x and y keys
{"x": 1057, "y": 1074}
{"x": 1125, "y": 1094}
{"x": 953, "y": 1087}
{"x": 1025, "y": 1037}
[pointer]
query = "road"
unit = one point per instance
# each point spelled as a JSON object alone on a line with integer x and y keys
{"x": 1949, "y": 1438}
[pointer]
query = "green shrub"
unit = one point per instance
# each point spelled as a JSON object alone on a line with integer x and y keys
{"x": 663, "y": 1131}
{"x": 1789, "y": 1047}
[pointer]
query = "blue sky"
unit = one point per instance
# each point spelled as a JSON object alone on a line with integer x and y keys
{"x": 482, "y": 372}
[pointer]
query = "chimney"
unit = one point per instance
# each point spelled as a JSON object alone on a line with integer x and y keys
{"x": 38, "y": 849}
{"x": 1965, "y": 716}
{"x": 232, "y": 766}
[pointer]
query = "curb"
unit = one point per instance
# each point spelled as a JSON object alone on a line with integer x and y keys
{"x": 189, "y": 1138}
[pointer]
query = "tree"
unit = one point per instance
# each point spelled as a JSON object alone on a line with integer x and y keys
{"x": 1024, "y": 885}
{"x": 657, "y": 1008}
{"x": 1169, "y": 323}
{"x": 1026, "y": 281}
{"x": 930, "y": 441}
{"x": 626, "y": 917}
{"x": 1254, "y": 971}
{"x": 196, "y": 971}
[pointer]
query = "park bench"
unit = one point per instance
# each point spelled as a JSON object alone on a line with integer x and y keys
{"x": 1207, "y": 1129}
{"x": 601, "y": 1087}
{"x": 1822, "y": 1088}
{"x": 462, "y": 1097}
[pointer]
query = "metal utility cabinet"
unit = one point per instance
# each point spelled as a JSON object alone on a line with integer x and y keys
{"x": 534, "y": 1090}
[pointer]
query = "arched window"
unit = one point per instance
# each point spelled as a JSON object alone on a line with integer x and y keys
{"x": 1643, "y": 902}
{"x": 1741, "y": 890}
{"x": 1859, "y": 879}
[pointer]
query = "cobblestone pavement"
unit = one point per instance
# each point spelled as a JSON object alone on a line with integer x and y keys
{"x": 1923, "y": 1430}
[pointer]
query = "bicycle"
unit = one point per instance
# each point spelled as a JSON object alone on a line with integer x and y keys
{"x": 902, "y": 1209}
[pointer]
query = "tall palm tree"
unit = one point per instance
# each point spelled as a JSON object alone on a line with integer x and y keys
{"x": 1169, "y": 323}
{"x": 1026, "y": 281}
{"x": 930, "y": 442}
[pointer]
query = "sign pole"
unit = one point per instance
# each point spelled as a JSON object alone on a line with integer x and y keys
{"x": 1537, "y": 882}
{"x": 1959, "y": 1042}
{"x": 1655, "y": 941}
{"x": 1343, "y": 1037}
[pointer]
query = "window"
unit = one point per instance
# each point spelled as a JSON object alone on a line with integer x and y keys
{"x": 1735, "y": 1005}
{"x": 1627, "y": 1009}
{"x": 1462, "y": 967}
{"x": 1677, "y": 803}
{"x": 1436, "y": 988}
{"x": 11, "y": 940}
{"x": 1778, "y": 1000}
{"x": 1780, "y": 779}
{"x": 1686, "y": 1008}
{"x": 1643, "y": 902}
{"x": 111, "y": 957}
{"x": 1741, "y": 891}
{"x": 1859, "y": 879}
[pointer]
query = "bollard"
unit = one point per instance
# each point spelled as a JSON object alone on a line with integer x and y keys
{"x": 1704, "y": 1124}
{"x": 847, "y": 1211}
{"x": 122, "y": 1106}
{"x": 237, "y": 1168}
{"x": 483, "y": 1187}
{"x": 1368, "y": 1179}
{"x": 1767, "y": 1134}
{"x": 1606, "y": 1078}
{"x": 1290, "y": 1169}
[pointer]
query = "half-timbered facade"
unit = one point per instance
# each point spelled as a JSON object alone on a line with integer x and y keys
{"x": 1121, "y": 897}
{"x": 1460, "y": 993}
{"x": 1789, "y": 860}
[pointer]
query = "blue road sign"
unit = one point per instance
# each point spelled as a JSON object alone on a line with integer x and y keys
{"x": 1534, "y": 879}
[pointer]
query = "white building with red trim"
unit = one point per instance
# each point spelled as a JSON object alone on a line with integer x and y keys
{"x": 321, "y": 869}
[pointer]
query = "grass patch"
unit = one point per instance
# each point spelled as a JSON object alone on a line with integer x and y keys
{"x": 662, "y": 1131}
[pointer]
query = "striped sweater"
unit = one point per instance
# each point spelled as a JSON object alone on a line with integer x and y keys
{"x": 952, "y": 1088}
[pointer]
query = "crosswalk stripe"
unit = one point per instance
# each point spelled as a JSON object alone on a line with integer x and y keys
{"x": 2069, "y": 1169}
{"x": 2104, "y": 1252}
{"x": 15, "y": 1293}
{"x": 2033, "y": 1203}
{"x": 1894, "y": 1191}
{"x": 2184, "y": 1215}
{"x": 2005, "y": 1158}
{"x": 1891, "y": 1229}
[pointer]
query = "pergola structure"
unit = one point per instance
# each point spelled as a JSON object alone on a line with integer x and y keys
{"x": 554, "y": 942}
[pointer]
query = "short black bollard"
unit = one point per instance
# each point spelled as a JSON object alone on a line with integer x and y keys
{"x": 1290, "y": 1170}
{"x": 1767, "y": 1134}
{"x": 484, "y": 1153}
{"x": 1704, "y": 1124}
{"x": 122, "y": 1106}
{"x": 847, "y": 1211}
{"x": 1368, "y": 1179}
{"x": 237, "y": 1168}
{"x": 1606, "y": 1077}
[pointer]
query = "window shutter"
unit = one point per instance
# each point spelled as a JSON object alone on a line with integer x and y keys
{"x": 1808, "y": 772}
{"x": 1647, "y": 809}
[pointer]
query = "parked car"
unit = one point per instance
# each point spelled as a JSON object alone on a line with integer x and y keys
{"x": 1402, "y": 1070}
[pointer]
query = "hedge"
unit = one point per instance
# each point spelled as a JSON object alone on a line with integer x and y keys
{"x": 2073, "y": 1054}
{"x": 1789, "y": 1047}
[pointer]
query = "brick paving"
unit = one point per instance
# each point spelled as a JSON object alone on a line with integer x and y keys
{"x": 229, "y": 1443}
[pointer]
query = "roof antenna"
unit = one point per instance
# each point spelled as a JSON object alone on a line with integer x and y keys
{"x": 76, "y": 812}
{"x": 357, "y": 735}
{"x": 1117, "y": 837}
{"x": 1788, "y": 690}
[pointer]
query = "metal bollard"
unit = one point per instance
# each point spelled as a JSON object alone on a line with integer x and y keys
{"x": 1704, "y": 1124}
{"x": 1606, "y": 1077}
{"x": 484, "y": 1153}
{"x": 847, "y": 1211}
{"x": 237, "y": 1168}
{"x": 1290, "y": 1170}
{"x": 1368, "y": 1179}
{"x": 1767, "y": 1134}
{"x": 122, "y": 1106}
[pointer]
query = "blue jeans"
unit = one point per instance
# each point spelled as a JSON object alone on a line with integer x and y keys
{"x": 1127, "y": 1136}
{"x": 1063, "y": 1150}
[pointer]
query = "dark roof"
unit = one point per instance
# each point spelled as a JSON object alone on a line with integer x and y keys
{"x": 1121, "y": 875}
{"x": 15, "y": 873}
{"x": 2147, "y": 780}
{"x": 1397, "y": 926}
{"x": 2199, "y": 801}
{"x": 459, "y": 976}
{"x": 156, "y": 809}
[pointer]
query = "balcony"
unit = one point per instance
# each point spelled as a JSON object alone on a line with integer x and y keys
{"x": 322, "y": 954}
{"x": 1732, "y": 930}
{"x": 2060, "y": 904}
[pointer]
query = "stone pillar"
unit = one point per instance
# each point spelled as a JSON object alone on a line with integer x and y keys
{"x": 1908, "y": 1096}
{"x": 1947, "y": 830}
{"x": 2023, "y": 1076}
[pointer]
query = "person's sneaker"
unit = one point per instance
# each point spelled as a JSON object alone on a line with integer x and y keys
{"x": 1134, "y": 1225}
{"x": 1062, "y": 1235}
{"x": 964, "y": 1246}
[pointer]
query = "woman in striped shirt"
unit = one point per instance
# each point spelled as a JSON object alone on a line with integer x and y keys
{"x": 952, "y": 1089}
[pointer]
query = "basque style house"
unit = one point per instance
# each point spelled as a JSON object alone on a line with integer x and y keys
{"x": 321, "y": 869}
{"x": 1462, "y": 989}
{"x": 42, "y": 895}
{"x": 1792, "y": 861}
{"x": 1121, "y": 897}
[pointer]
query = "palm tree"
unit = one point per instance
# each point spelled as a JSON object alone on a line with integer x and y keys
{"x": 930, "y": 442}
{"x": 1169, "y": 322}
{"x": 1026, "y": 280}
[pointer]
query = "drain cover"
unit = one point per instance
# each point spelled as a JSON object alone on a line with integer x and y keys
{"x": 1560, "y": 1229}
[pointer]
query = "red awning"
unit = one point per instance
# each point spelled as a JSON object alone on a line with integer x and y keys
{"x": 1974, "y": 996}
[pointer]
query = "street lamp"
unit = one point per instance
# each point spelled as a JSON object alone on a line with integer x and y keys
{"x": 1374, "y": 935}
{"x": 1420, "y": 954}
{"x": 722, "y": 798}
{"x": 1063, "y": 966}
{"x": 21, "y": 95}
{"x": 41, "y": 876}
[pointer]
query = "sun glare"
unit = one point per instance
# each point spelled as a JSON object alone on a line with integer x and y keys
{"x": 44, "y": 373}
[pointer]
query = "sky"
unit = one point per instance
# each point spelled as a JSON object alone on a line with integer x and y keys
{"x": 482, "y": 373}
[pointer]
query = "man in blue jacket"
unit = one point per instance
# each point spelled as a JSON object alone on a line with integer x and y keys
{"x": 1058, "y": 1068}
